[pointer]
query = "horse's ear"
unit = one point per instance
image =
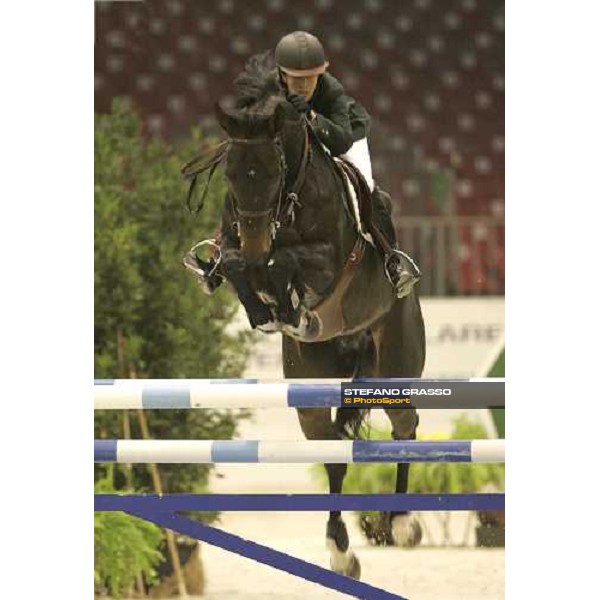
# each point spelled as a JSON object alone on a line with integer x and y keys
{"x": 277, "y": 120}
{"x": 225, "y": 119}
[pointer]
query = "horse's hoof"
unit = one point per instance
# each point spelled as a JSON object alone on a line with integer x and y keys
{"x": 377, "y": 529}
{"x": 344, "y": 563}
{"x": 353, "y": 569}
{"x": 416, "y": 533}
{"x": 406, "y": 531}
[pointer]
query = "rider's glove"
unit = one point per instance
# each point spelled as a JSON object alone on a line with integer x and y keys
{"x": 299, "y": 103}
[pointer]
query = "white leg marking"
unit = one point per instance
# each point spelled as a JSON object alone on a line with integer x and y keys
{"x": 338, "y": 560}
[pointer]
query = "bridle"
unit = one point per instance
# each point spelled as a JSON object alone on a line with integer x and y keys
{"x": 287, "y": 199}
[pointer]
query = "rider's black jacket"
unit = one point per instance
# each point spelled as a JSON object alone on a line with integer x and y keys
{"x": 340, "y": 120}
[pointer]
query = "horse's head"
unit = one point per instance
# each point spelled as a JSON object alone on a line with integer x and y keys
{"x": 255, "y": 173}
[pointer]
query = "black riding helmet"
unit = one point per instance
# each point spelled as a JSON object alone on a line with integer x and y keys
{"x": 300, "y": 54}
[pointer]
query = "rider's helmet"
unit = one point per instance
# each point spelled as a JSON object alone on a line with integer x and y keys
{"x": 300, "y": 54}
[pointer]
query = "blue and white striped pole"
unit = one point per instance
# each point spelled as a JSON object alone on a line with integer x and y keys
{"x": 188, "y": 394}
{"x": 327, "y": 451}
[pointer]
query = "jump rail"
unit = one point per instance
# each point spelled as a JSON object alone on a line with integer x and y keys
{"x": 119, "y": 394}
{"x": 329, "y": 451}
{"x": 299, "y": 502}
{"x": 190, "y": 394}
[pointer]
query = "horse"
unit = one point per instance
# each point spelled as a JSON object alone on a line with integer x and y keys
{"x": 302, "y": 264}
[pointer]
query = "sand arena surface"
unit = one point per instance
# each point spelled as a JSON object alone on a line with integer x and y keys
{"x": 419, "y": 574}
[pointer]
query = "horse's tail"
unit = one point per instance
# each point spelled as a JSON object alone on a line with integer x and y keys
{"x": 349, "y": 422}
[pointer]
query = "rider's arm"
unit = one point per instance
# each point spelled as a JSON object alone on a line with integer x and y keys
{"x": 335, "y": 130}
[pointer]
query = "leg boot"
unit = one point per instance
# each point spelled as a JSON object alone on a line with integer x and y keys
{"x": 401, "y": 270}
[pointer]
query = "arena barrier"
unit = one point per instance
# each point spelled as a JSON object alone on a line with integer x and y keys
{"x": 163, "y": 510}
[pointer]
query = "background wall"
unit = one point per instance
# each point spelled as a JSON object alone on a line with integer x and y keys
{"x": 431, "y": 74}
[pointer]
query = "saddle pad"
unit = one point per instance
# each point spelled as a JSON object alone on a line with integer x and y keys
{"x": 350, "y": 189}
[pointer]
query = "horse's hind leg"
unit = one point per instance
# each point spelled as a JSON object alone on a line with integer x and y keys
{"x": 400, "y": 348}
{"x": 316, "y": 424}
{"x": 405, "y": 530}
{"x": 334, "y": 358}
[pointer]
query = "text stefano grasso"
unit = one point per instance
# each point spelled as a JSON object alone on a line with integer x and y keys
{"x": 397, "y": 392}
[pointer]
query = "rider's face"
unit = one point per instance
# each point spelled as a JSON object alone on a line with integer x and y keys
{"x": 305, "y": 86}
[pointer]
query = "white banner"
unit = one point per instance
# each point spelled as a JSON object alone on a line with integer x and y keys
{"x": 464, "y": 335}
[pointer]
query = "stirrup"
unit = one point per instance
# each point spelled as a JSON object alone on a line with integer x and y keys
{"x": 402, "y": 272}
{"x": 205, "y": 271}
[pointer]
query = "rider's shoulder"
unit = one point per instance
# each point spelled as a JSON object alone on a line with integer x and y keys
{"x": 330, "y": 88}
{"x": 331, "y": 84}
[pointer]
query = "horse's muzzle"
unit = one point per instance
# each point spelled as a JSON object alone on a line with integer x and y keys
{"x": 255, "y": 239}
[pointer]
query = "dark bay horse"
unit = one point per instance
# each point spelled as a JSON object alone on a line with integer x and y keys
{"x": 301, "y": 265}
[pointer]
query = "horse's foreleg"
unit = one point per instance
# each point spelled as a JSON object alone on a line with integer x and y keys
{"x": 293, "y": 269}
{"x": 316, "y": 424}
{"x": 234, "y": 269}
{"x": 282, "y": 271}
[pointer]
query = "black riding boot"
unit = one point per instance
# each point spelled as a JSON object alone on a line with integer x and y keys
{"x": 401, "y": 269}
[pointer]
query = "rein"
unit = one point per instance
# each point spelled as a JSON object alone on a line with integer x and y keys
{"x": 212, "y": 157}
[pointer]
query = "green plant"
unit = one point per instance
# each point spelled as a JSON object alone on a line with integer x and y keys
{"x": 124, "y": 546}
{"x": 151, "y": 320}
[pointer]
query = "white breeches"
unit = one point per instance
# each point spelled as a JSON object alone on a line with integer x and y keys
{"x": 360, "y": 157}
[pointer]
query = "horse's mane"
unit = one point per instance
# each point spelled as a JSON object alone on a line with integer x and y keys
{"x": 255, "y": 85}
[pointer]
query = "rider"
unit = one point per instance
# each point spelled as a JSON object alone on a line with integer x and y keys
{"x": 341, "y": 125}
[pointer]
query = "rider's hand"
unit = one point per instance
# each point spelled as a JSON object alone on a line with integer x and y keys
{"x": 299, "y": 103}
